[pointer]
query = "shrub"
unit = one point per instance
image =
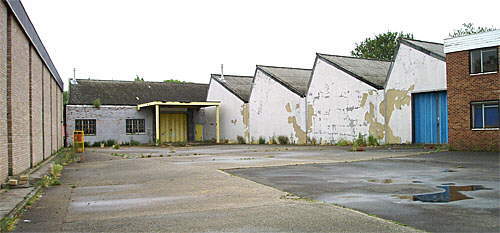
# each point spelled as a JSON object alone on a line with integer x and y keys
{"x": 241, "y": 140}
{"x": 361, "y": 140}
{"x": 343, "y": 142}
{"x": 262, "y": 140}
{"x": 354, "y": 146}
{"x": 273, "y": 141}
{"x": 110, "y": 142}
{"x": 96, "y": 144}
{"x": 97, "y": 103}
{"x": 283, "y": 140}
{"x": 116, "y": 146}
{"x": 86, "y": 144}
{"x": 134, "y": 143}
{"x": 372, "y": 141}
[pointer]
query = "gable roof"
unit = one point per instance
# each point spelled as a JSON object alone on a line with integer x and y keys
{"x": 295, "y": 79}
{"x": 373, "y": 72}
{"x": 240, "y": 86}
{"x": 134, "y": 93}
{"x": 22, "y": 17}
{"x": 431, "y": 48}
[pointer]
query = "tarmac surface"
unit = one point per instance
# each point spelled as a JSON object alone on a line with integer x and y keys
{"x": 184, "y": 190}
{"x": 384, "y": 188}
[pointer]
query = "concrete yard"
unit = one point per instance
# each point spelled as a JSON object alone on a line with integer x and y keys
{"x": 185, "y": 190}
{"x": 384, "y": 188}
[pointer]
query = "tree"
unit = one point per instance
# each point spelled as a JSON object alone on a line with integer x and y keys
{"x": 380, "y": 47}
{"x": 65, "y": 97}
{"x": 469, "y": 29}
{"x": 138, "y": 79}
{"x": 173, "y": 81}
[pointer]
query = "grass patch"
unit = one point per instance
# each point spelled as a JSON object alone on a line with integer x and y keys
{"x": 343, "y": 142}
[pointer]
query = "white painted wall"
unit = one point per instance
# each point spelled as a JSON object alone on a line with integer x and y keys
{"x": 341, "y": 106}
{"x": 412, "y": 72}
{"x": 231, "y": 114}
{"x": 268, "y": 111}
{"x": 110, "y": 122}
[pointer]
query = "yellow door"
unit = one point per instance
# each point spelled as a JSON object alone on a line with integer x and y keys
{"x": 198, "y": 136}
{"x": 173, "y": 127}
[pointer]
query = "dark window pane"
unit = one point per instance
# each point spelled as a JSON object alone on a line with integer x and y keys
{"x": 491, "y": 116}
{"x": 478, "y": 116}
{"x": 490, "y": 60}
{"x": 475, "y": 61}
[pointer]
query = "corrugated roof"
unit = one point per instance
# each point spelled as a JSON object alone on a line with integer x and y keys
{"x": 133, "y": 93}
{"x": 295, "y": 79}
{"x": 22, "y": 17}
{"x": 241, "y": 86}
{"x": 373, "y": 72}
{"x": 436, "y": 48}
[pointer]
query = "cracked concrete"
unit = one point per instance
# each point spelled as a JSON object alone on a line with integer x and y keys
{"x": 188, "y": 192}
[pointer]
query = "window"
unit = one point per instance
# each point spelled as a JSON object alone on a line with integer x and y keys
{"x": 87, "y": 125}
{"x": 483, "y": 60}
{"x": 485, "y": 115}
{"x": 135, "y": 126}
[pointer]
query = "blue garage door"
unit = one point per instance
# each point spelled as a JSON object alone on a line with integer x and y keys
{"x": 430, "y": 117}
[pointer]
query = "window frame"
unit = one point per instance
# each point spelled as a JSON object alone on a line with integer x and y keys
{"x": 83, "y": 128}
{"x": 472, "y": 113}
{"x": 136, "y": 131}
{"x": 481, "y": 56}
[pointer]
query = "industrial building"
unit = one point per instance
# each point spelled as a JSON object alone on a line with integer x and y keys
{"x": 31, "y": 94}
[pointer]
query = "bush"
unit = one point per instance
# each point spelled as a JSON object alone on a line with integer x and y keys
{"x": 372, "y": 141}
{"x": 96, "y": 144}
{"x": 262, "y": 140}
{"x": 241, "y": 140}
{"x": 283, "y": 140}
{"x": 110, "y": 142}
{"x": 56, "y": 170}
{"x": 361, "y": 140}
{"x": 134, "y": 143}
{"x": 86, "y": 144}
{"x": 273, "y": 141}
{"x": 343, "y": 142}
{"x": 97, "y": 103}
{"x": 116, "y": 146}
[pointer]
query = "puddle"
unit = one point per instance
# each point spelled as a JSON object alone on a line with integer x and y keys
{"x": 450, "y": 193}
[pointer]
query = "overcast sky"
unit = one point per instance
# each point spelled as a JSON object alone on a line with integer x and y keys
{"x": 188, "y": 40}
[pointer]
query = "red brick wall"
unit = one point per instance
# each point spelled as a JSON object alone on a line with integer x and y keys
{"x": 19, "y": 98}
{"x": 463, "y": 89}
{"x": 53, "y": 108}
{"x": 3, "y": 92}
{"x": 36, "y": 107}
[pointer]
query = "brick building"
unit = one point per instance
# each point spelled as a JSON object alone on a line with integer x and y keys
{"x": 30, "y": 94}
{"x": 473, "y": 91}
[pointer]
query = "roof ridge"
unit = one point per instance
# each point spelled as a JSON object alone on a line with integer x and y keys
{"x": 424, "y": 41}
{"x": 132, "y": 81}
{"x": 360, "y": 58}
{"x": 233, "y": 75}
{"x": 283, "y": 67}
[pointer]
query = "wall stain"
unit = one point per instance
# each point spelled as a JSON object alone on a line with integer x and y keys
{"x": 394, "y": 99}
{"x": 310, "y": 115}
{"x": 288, "y": 108}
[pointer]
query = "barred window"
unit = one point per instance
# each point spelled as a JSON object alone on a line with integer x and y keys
{"x": 87, "y": 125}
{"x": 135, "y": 126}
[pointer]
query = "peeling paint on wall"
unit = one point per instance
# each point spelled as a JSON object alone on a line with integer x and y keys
{"x": 310, "y": 115}
{"x": 375, "y": 128}
{"x": 288, "y": 108}
{"x": 299, "y": 133}
{"x": 245, "y": 114}
{"x": 394, "y": 99}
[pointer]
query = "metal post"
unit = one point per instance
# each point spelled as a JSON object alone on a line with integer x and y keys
{"x": 217, "y": 124}
{"x": 157, "y": 125}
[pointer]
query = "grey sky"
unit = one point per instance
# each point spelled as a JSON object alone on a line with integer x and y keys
{"x": 188, "y": 40}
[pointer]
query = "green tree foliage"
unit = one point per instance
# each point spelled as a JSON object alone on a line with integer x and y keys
{"x": 138, "y": 79}
{"x": 380, "y": 47}
{"x": 173, "y": 81}
{"x": 469, "y": 29}
{"x": 65, "y": 97}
